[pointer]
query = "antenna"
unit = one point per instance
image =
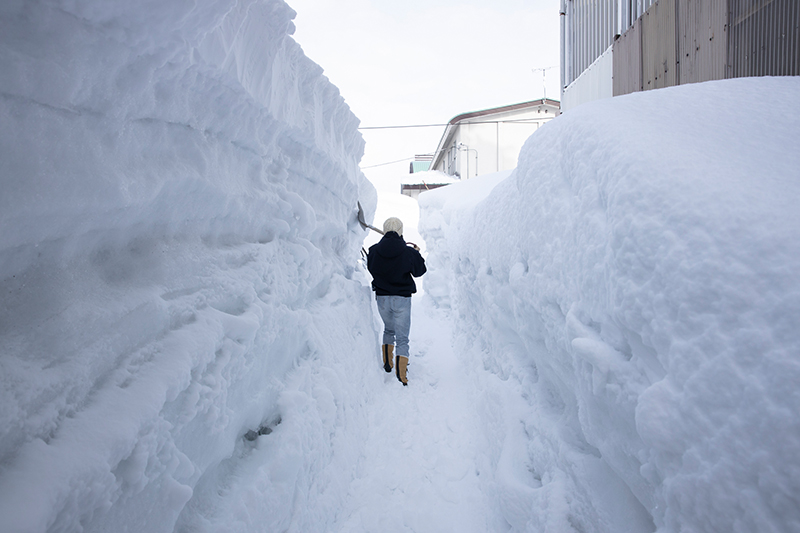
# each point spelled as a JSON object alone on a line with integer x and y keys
{"x": 543, "y": 70}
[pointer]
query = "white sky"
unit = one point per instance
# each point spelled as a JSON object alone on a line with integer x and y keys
{"x": 402, "y": 62}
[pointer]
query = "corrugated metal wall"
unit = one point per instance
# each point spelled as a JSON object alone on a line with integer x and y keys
{"x": 764, "y": 38}
{"x": 592, "y": 23}
{"x": 659, "y": 63}
{"x": 702, "y": 40}
{"x": 627, "y": 57}
{"x": 687, "y": 41}
{"x": 670, "y": 42}
{"x": 591, "y": 26}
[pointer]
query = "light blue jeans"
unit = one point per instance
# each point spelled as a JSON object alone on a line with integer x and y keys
{"x": 396, "y": 314}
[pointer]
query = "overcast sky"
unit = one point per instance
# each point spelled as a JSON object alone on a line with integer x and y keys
{"x": 399, "y": 62}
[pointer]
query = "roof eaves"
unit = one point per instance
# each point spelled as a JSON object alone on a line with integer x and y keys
{"x": 504, "y": 109}
{"x": 439, "y": 153}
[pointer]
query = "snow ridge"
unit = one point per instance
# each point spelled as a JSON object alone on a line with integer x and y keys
{"x": 636, "y": 279}
{"x": 179, "y": 185}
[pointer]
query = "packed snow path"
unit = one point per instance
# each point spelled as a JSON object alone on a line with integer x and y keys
{"x": 418, "y": 470}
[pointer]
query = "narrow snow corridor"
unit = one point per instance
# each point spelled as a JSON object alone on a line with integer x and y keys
{"x": 419, "y": 470}
{"x": 606, "y": 342}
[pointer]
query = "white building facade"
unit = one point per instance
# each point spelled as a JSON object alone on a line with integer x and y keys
{"x": 488, "y": 141}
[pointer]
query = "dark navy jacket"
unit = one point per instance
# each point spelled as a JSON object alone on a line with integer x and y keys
{"x": 392, "y": 263}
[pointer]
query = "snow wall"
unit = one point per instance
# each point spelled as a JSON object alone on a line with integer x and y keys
{"x": 637, "y": 282}
{"x": 177, "y": 256}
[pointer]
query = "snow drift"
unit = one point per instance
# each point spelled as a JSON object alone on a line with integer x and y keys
{"x": 176, "y": 268}
{"x": 637, "y": 281}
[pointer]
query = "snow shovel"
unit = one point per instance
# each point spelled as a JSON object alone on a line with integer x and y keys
{"x": 363, "y": 222}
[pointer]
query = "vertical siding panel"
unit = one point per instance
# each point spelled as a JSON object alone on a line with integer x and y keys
{"x": 575, "y": 40}
{"x": 628, "y": 61}
{"x": 669, "y": 48}
{"x": 581, "y": 39}
{"x": 582, "y": 42}
{"x": 601, "y": 6}
{"x": 786, "y": 51}
{"x": 596, "y": 28}
{"x": 765, "y": 21}
{"x": 737, "y": 49}
{"x": 577, "y": 55}
{"x": 734, "y": 47}
{"x": 586, "y": 16}
{"x": 795, "y": 40}
{"x": 688, "y": 48}
{"x": 759, "y": 50}
{"x": 783, "y": 29}
{"x": 717, "y": 40}
{"x": 712, "y": 39}
{"x": 659, "y": 63}
{"x": 752, "y": 44}
{"x": 684, "y": 59}
{"x": 777, "y": 24}
{"x": 592, "y": 14}
{"x": 647, "y": 81}
{"x": 580, "y": 26}
{"x": 780, "y": 38}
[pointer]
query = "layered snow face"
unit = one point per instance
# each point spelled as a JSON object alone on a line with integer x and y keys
{"x": 637, "y": 280}
{"x": 179, "y": 185}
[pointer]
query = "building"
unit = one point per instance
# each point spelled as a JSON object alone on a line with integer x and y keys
{"x": 614, "y": 47}
{"x": 421, "y": 181}
{"x": 421, "y": 163}
{"x": 488, "y": 141}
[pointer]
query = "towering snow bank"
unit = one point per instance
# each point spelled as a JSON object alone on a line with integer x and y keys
{"x": 178, "y": 192}
{"x": 637, "y": 281}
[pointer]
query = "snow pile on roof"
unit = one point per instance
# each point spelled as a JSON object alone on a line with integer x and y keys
{"x": 179, "y": 185}
{"x": 431, "y": 177}
{"x": 637, "y": 282}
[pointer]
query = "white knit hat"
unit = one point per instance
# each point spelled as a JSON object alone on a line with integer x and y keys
{"x": 393, "y": 224}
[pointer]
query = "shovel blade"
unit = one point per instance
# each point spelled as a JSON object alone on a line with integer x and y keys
{"x": 364, "y": 222}
{"x": 361, "y": 217}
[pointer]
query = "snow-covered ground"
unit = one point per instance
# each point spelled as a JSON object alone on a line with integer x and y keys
{"x": 607, "y": 340}
{"x": 637, "y": 282}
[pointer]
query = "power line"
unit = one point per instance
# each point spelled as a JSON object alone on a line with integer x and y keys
{"x": 398, "y": 127}
{"x": 389, "y": 163}
{"x": 518, "y": 121}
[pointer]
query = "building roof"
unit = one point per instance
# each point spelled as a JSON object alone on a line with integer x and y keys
{"x": 486, "y": 114}
{"x": 504, "y": 109}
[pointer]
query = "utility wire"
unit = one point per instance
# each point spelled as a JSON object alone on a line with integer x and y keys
{"x": 518, "y": 121}
{"x": 399, "y": 127}
{"x": 389, "y": 163}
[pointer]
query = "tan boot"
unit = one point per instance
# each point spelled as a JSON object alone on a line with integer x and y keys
{"x": 402, "y": 367}
{"x": 388, "y": 356}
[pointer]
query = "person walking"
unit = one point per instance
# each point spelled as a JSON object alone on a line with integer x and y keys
{"x": 394, "y": 265}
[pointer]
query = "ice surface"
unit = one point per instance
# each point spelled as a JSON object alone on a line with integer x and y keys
{"x": 637, "y": 281}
